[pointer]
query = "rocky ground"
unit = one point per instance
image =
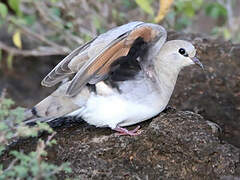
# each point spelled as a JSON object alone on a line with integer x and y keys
{"x": 176, "y": 144}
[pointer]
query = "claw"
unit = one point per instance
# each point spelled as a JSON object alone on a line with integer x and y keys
{"x": 122, "y": 131}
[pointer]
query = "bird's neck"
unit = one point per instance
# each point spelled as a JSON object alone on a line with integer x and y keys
{"x": 167, "y": 75}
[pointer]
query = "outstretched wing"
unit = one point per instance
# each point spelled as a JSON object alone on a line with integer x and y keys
{"x": 75, "y": 60}
{"x": 62, "y": 70}
{"x": 106, "y": 49}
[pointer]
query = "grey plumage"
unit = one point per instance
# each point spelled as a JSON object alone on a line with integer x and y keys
{"x": 148, "y": 67}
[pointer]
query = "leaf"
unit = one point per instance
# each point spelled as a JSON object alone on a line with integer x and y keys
{"x": 54, "y": 1}
{"x": 189, "y": 10}
{"x": 164, "y": 6}
{"x": 9, "y": 61}
{"x": 197, "y": 4}
{"x": 145, "y": 5}
{"x": 3, "y": 10}
{"x": 128, "y": 4}
{"x": 21, "y": 171}
{"x": 17, "y": 39}
{"x": 15, "y": 5}
{"x": 226, "y": 34}
{"x": 7, "y": 102}
{"x": 3, "y": 126}
{"x": 215, "y": 10}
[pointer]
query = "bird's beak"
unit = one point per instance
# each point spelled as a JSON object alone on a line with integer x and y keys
{"x": 197, "y": 62}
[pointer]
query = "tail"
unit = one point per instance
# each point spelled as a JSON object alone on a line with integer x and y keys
{"x": 55, "y": 105}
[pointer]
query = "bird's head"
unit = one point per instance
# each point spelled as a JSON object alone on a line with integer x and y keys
{"x": 178, "y": 54}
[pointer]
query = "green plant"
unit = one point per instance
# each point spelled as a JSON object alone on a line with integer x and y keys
{"x": 145, "y": 5}
{"x": 31, "y": 165}
{"x": 21, "y": 18}
{"x": 183, "y": 13}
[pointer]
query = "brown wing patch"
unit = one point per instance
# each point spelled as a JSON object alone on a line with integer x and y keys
{"x": 147, "y": 33}
{"x": 100, "y": 65}
{"x": 101, "y": 74}
{"x": 118, "y": 54}
{"x": 97, "y": 70}
{"x": 108, "y": 57}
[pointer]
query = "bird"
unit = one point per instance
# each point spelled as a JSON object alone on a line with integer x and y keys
{"x": 120, "y": 78}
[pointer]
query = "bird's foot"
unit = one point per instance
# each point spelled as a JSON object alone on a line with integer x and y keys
{"x": 122, "y": 131}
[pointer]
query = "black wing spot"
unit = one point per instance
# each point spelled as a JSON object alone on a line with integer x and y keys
{"x": 127, "y": 67}
{"x": 34, "y": 112}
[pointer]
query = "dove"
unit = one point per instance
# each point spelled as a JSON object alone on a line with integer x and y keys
{"x": 120, "y": 78}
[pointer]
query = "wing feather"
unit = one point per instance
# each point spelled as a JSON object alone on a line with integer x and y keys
{"x": 92, "y": 61}
{"x": 97, "y": 68}
{"x": 93, "y": 66}
{"x": 62, "y": 70}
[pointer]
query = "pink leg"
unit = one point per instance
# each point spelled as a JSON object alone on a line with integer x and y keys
{"x": 123, "y": 131}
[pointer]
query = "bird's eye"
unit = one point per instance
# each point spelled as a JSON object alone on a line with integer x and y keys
{"x": 183, "y": 52}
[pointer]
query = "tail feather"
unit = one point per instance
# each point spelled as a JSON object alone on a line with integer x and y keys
{"x": 55, "y": 105}
{"x": 41, "y": 119}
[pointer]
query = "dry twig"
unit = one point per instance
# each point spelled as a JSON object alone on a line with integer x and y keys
{"x": 48, "y": 51}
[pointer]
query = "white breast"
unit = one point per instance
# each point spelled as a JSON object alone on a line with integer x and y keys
{"x": 116, "y": 110}
{"x": 139, "y": 101}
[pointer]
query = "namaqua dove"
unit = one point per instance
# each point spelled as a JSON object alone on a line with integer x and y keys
{"x": 120, "y": 78}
